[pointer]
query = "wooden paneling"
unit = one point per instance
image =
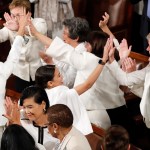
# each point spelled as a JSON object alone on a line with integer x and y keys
{"x": 120, "y": 12}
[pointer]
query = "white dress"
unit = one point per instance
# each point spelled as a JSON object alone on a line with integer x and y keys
{"x": 69, "y": 97}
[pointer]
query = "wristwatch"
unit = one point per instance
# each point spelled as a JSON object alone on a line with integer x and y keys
{"x": 101, "y": 62}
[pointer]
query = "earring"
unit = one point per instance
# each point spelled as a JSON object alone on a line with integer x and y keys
{"x": 55, "y": 131}
{"x": 44, "y": 110}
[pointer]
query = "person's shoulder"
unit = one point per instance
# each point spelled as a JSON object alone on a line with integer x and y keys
{"x": 76, "y": 133}
{"x": 77, "y": 140}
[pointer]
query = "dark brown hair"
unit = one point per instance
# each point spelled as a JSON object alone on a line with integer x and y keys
{"x": 116, "y": 138}
{"x": 61, "y": 115}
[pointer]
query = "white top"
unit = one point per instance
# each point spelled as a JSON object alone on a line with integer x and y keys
{"x": 69, "y": 72}
{"x": 40, "y": 134}
{"x": 29, "y": 58}
{"x": 6, "y": 69}
{"x": 105, "y": 93}
{"x": 139, "y": 83}
{"x": 69, "y": 97}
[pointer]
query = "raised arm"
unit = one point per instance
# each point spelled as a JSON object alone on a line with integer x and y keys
{"x": 124, "y": 78}
{"x": 95, "y": 74}
{"x": 103, "y": 24}
{"x": 44, "y": 39}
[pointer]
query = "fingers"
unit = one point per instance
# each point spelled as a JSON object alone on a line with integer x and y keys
{"x": 108, "y": 49}
{"x": 8, "y": 117}
{"x": 129, "y": 65}
{"x": 130, "y": 47}
{"x": 7, "y": 16}
{"x": 107, "y": 15}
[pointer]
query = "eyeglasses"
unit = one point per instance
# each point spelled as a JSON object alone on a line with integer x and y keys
{"x": 16, "y": 16}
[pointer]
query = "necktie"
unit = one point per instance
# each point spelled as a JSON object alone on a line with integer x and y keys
{"x": 148, "y": 9}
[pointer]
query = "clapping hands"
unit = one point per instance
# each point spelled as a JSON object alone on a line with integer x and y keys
{"x": 124, "y": 49}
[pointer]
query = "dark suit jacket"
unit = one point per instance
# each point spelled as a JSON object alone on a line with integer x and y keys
{"x": 145, "y": 22}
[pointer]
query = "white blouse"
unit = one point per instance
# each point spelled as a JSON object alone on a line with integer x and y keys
{"x": 69, "y": 97}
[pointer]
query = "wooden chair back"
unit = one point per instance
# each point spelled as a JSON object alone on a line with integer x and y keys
{"x": 13, "y": 94}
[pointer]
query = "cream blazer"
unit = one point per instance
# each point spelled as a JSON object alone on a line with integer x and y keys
{"x": 29, "y": 59}
{"x": 74, "y": 140}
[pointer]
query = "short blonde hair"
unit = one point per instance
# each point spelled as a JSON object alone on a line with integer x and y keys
{"x": 20, "y": 3}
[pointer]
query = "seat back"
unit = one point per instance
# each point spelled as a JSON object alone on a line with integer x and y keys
{"x": 95, "y": 139}
{"x": 13, "y": 94}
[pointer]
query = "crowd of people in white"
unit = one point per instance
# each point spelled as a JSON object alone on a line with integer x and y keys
{"x": 77, "y": 78}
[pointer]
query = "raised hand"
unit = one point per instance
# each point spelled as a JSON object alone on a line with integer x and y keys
{"x": 108, "y": 48}
{"x": 128, "y": 65}
{"x": 103, "y": 23}
{"x": 12, "y": 111}
{"x": 32, "y": 28}
{"x": 23, "y": 21}
{"x": 124, "y": 49}
{"x": 11, "y": 23}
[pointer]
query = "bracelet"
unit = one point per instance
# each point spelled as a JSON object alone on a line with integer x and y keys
{"x": 101, "y": 62}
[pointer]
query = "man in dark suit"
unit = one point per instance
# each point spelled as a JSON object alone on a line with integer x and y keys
{"x": 145, "y": 24}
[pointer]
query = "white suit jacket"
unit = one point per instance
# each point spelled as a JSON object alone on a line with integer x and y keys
{"x": 74, "y": 140}
{"x": 29, "y": 59}
{"x": 6, "y": 70}
{"x": 98, "y": 96}
{"x": 139, "y": 82}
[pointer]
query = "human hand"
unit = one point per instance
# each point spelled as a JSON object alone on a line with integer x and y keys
{"x": 103, "y": 23}
{"x": 47, "y": 59}
{"x": 33, "y": 30}
{"x": 11, "y": 23}
{"x": 124, "y": 49}
{"x": 128, "y": 65}
{"x": 23, "y": 21}
{"x": 108, "y": 48}
{"x": 12, "y": 111}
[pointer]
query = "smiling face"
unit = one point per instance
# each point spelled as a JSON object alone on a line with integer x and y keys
{"x": 33, "y": 110}
{"x": 67, "y": 39}
{"x": 57, "y": 80}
